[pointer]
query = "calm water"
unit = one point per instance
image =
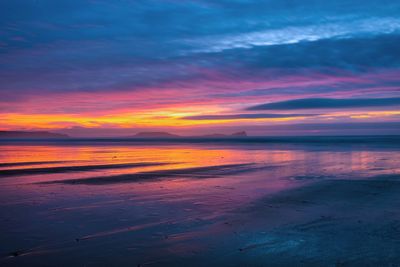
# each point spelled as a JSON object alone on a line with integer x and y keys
{"x": 168, "y": 205}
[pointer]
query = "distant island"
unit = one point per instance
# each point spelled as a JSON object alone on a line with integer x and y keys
{"x": 140, "y": 135}
{"x": 155, "y": 135}
{"x": 30, "y": 134}
{"x": 169, "y": 135}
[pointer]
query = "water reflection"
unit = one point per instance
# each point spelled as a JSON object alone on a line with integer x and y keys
{"x": 44, "y": 217}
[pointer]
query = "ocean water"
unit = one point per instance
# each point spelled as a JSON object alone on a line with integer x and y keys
{"x": 198, "y": 204}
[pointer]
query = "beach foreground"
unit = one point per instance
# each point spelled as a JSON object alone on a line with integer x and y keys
{"x": 138, "y": 204}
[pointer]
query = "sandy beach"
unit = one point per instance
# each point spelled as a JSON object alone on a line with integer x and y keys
{"x": 200, "y": 204}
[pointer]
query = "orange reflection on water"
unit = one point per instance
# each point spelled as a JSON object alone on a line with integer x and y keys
{"x": 292, "y": 160}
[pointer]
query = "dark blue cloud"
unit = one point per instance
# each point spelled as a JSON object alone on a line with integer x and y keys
{"x": 375, "y": 86}
{"x": 355, "y": 54}
{"x": 341, "y": 128}
{"x": 329, "y": 103}
{"x": 93, "y": 66}
{"x": 246, "y": 116}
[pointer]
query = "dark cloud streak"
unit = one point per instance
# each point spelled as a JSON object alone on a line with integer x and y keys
{"x": 247, "y": 116}
{"x": 328, "y": 103}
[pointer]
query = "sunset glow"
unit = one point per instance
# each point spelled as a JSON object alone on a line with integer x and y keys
{"x": 123, "y": 74}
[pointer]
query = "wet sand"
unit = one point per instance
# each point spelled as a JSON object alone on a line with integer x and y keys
{"x": 330, "y": 223}
{"x": 212, "y": 205}
{"x": 79, "y": 168}
{"x": 192, "y": 173}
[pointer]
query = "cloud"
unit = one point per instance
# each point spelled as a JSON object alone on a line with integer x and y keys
{"x": 297, "y": 34}
{"x": 343, "y": 128}
{"x": 328, "y": 103}
{"x": 360, "y": 128}
{"x": 103, "y": 46}
{"x": 246, "y": 116}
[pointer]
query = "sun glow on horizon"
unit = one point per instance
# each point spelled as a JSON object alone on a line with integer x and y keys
{"x": 168, "y": 118}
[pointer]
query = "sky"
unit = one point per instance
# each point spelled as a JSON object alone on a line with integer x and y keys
{"x": 267, "y": 67}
